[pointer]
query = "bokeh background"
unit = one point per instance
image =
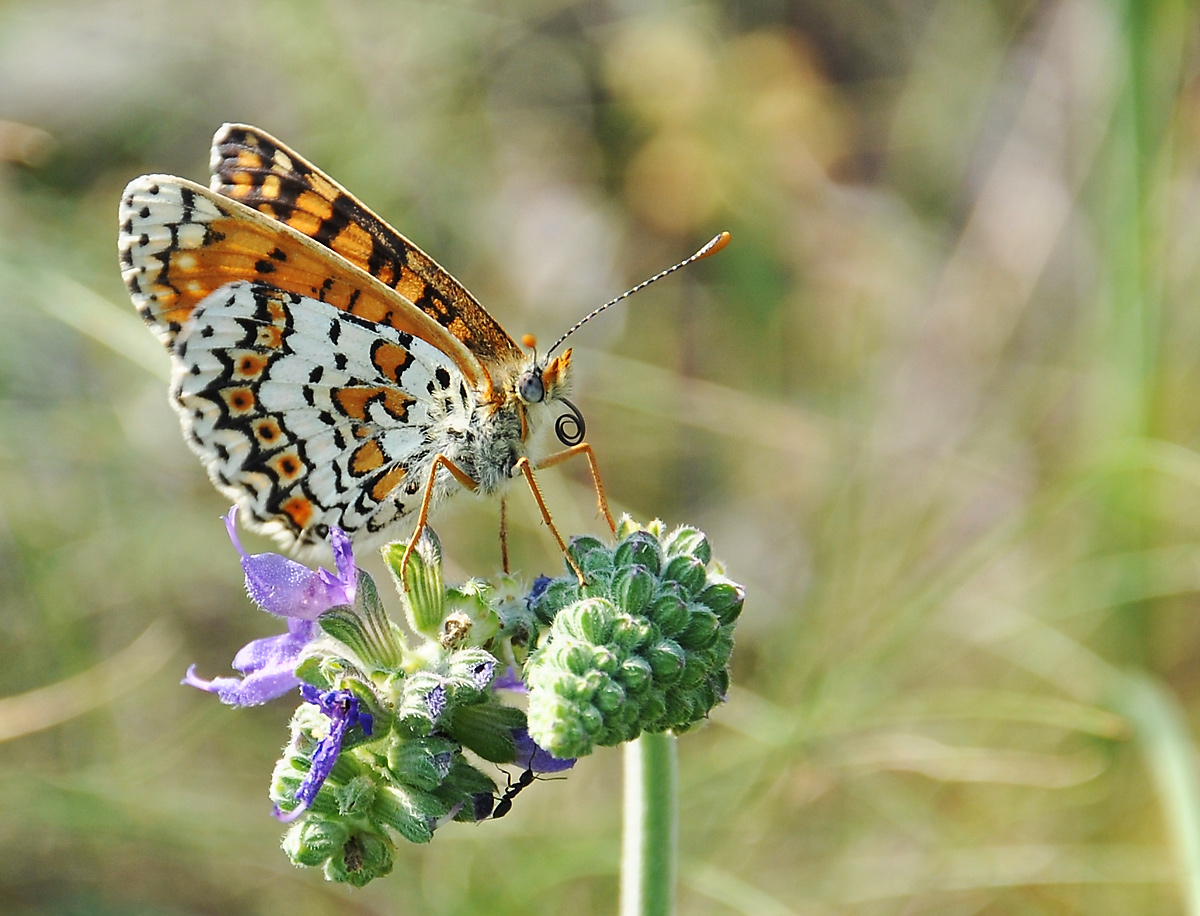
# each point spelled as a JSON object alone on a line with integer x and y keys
{"x": 937, "y": 406}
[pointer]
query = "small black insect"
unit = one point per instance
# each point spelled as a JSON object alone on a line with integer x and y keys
{"x": 514, "y": 789}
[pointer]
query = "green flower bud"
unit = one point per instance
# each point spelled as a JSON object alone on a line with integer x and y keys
{"x": 590, "y": 620}
{"x": 558, "y": 594}
{"x": 410, "y": 812}
{"x": 363, "y": 858}
{"x": 687, "y": 571}
{"x": 420, "y": 582}
{"x": 702, "y": 629}
{"x": 695, "y": 670}
{"x": 640, "y": 548}
{"x": 635, "y": 674}
{"x": 609, "y": 697}
{"x": 487, "y": 729}
{"x": 632, "y": 633}
{"x": 313, "y": 840}
{"x": 423, "y": 763}
{"x": 590, "y": 553}
{"x": 653, "y": 709}
{"x": 680, "y": 708}
{"x": 666, "y": 660}
{"x": 689, "y": 541}
{"x": 724, "y": 598}
{"x": 669, "y": 611}
{"x": 632, "y": 588}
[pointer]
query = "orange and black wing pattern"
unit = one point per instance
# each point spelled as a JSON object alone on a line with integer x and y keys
{"x": 254, "y": 168}
{"x": 179, "y": 242}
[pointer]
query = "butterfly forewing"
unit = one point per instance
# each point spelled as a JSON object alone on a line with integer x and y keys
{"x": 254, "y": 168}
{"x": 307, "y": 417}
{"x": 179, "y": 242}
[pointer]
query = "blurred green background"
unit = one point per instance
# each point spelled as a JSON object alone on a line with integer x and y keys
{"x": 937, "y": 406}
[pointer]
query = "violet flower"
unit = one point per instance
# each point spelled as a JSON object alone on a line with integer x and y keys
{"x": 341, "y": 707}
{"x": 287, "y": 589}
{"x": 531, "y": 756}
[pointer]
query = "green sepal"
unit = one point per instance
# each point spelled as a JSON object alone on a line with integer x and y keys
{"x": 365, "y": 627}
{"x": 409, "y": 811}
{"x": 362, "y": 858}
{"x": 486, "y": 728}
{"x": 368, "y": 702}
{"x": 460, "y": 788}
{"x": 423, "y": 763}
{"x": 420, "y": 582}
{"x": 465, "y": 671}
{"x": 412, "y": 710}
{"x": 313, "y": 840}
{"x": 473, "y": 599}
{"x": 310, "y": 671}
{"x": 355, "y": 798}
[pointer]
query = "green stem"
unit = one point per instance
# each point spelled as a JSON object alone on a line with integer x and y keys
{"x": 651, "y": 835}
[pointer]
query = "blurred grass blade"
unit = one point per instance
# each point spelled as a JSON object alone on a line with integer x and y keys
{"x": 740, "y": 896}
{"x": 48, "y": 706}
{"x": 119, "y": 329}
{"x": 1162, "y": 731}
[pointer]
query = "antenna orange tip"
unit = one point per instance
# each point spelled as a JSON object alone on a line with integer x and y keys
{"x": 714, "y": 246}
{"x": 528, "y": 341}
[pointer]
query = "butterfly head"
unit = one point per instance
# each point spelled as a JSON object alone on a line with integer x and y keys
{"x": 543, "y": 381}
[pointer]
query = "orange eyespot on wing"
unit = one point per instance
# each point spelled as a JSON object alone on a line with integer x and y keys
{"x": 180, "y": 242}
{"x": 254, "y": 168}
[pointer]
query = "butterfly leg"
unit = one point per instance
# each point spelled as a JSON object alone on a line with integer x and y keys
{"x": 583, "y": 449}
{"x": 423, "y": 516}
{"x": 526, "y": 468}
{"x": 504, "y": 534}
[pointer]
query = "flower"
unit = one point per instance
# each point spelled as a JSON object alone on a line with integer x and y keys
{"x": 290, "y": 589}
{"x": 530, "y": 756}
{"x": 341, "y": 707}
{"x": 287, "y": 589}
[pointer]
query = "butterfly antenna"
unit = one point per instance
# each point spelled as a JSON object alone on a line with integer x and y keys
{"x": 717, "y": 243}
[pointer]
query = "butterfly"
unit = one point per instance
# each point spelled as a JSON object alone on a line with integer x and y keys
{"x": 326, "y": 371}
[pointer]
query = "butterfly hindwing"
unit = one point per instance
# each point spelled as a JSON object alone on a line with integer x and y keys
{"x": 254, "y": 168}
{"x": 307, "y": 416}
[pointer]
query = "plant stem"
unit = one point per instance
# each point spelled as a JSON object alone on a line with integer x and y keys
{"x": 650, "y": 840}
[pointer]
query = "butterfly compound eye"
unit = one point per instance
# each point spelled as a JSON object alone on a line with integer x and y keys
{"x": 530, "y": 388}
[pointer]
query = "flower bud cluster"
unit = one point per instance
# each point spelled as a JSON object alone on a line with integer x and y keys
{"x": 643, "y": 645}
{"x": 395, "y": 732}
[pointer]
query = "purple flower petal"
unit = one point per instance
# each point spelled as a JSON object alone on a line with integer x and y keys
{"x": 482, "y": 672}
{"x": 269, "y": 666}
{"x": 530, "y": 756}
{"x": 435, "y": 702}
{"x": 341, "y": 707}
{"x": 289, "y": 589}
{"x": 510, "y": 680}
